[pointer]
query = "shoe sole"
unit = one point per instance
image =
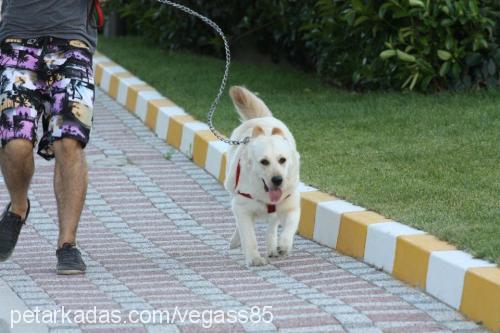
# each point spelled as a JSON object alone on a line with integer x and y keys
{"x": 69, "y": 272}
{"x": 6, "y": 257}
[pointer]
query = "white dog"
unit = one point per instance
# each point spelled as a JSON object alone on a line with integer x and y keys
{"x": 263, "y": 178}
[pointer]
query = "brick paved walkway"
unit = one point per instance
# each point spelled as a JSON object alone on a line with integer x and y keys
{"x": 154, "y": 234}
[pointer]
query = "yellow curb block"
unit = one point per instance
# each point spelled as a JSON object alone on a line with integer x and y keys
{"x": 153, "y": 109}
{"x": 353, "y": 230}
{"x": 308, "y": 203}
{"x": 200, "y": 146}
{"x": 114, "y": 82}
{"x": 175, "y": 129}
{"x": 99, "y": 70}
{"x": 481, "y": 296}
{"x": 412, "y": 257}
{"x": 223, "y": 164}
{"x": 132, "y": 95}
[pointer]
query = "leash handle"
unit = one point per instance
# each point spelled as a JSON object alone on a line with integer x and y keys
{"x": 216, "y": 101}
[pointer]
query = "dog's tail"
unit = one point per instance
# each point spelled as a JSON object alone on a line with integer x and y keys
{"x": 249, "y": 106}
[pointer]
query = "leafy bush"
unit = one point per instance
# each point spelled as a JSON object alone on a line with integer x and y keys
{"x": 433, "y": 44}
{"x": 426, "y": 45}
{"x": 173, "y": 29}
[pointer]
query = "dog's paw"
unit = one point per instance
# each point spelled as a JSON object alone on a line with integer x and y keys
{"x": 285, "y": 246}
{"x": 257, "y": 261}
{"x": 273, "y": 253}
{"x": 233, "y": 246}
{"x": 284, "y": 250}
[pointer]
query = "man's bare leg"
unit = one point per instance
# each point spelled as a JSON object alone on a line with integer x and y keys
{"x": 17, "y": 164}
{"x": 70, "y": 187}
{"x": 16, "y": 161}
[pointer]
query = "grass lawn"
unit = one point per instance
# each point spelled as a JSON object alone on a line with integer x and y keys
{"x": 432, "y": 162}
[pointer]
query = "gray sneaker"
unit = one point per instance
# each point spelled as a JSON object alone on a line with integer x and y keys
{"x": 69, "y": 260}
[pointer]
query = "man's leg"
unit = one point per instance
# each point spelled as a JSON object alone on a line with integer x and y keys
{"x": 70, "y": 187}
{"x": 71, "y": 125}
{"x": 17, "y": 164}
{"x": 16, "y": 161}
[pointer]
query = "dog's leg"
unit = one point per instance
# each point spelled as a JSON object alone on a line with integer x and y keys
{"x": 246, "y": 229}
{"x": 290, "y": 227}
{"x": 272, "y": 237}
{"x": 235, "y": 240}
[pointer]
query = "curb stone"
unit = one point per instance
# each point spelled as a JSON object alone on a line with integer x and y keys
{"x": 469, "y": 285}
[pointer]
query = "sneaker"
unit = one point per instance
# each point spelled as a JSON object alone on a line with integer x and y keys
{"x": 69, "y": 260}
{"x": 10, "y": 228}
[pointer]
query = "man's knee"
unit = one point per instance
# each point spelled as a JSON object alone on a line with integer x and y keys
{"x": 67, "y": 147}
{"x": 17, "y": 150}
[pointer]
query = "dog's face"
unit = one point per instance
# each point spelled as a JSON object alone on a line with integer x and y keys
{"x": 274, "y": 163}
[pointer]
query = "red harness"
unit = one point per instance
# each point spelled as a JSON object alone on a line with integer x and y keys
{"x": 270, "y": 208}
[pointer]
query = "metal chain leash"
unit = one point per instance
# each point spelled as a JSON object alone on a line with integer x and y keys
{"x": 226, "y": 70}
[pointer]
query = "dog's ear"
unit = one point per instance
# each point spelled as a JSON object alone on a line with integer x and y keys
{"x": 257, "y": 130}
{"x": 277, "y": 131}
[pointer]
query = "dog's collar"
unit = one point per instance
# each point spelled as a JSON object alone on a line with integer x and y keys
{"x": 270, "y": 207}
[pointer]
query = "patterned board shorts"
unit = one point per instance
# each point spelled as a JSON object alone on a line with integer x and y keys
{"x": 45, "y": 78}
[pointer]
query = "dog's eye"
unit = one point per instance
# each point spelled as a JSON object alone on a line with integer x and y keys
{"x": 282, "y": 160}
{"x": 264, "y": 162}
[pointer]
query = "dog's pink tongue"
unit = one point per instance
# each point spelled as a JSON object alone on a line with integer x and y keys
{"x": 275, "y": 195}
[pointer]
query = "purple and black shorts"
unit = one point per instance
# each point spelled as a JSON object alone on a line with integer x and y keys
{"x": 45, "y": 78}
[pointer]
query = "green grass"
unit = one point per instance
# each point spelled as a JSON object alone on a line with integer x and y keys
{"x": 432, "y": 162}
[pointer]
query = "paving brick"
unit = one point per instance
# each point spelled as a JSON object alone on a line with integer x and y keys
{"x": 446, "y": 315}
{"x": 339, "y": 309}
{"x": 431, "y": 306}
{"x": 364, "y": 330}
{"x": 162, "y": 329}
{"x": 460, "y": 325}
{"x": 354, "y": 319}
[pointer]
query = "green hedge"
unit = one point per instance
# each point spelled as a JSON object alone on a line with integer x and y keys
{"x": 425, "y": 45}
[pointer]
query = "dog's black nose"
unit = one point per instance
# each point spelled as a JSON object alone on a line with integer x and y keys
{"x": 277, "y": 180}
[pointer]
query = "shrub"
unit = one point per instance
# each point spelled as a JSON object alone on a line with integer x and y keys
{"x": 173, "y": 29}
{"x": 432, "y": 44}
{"x": 426, "y": 45}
